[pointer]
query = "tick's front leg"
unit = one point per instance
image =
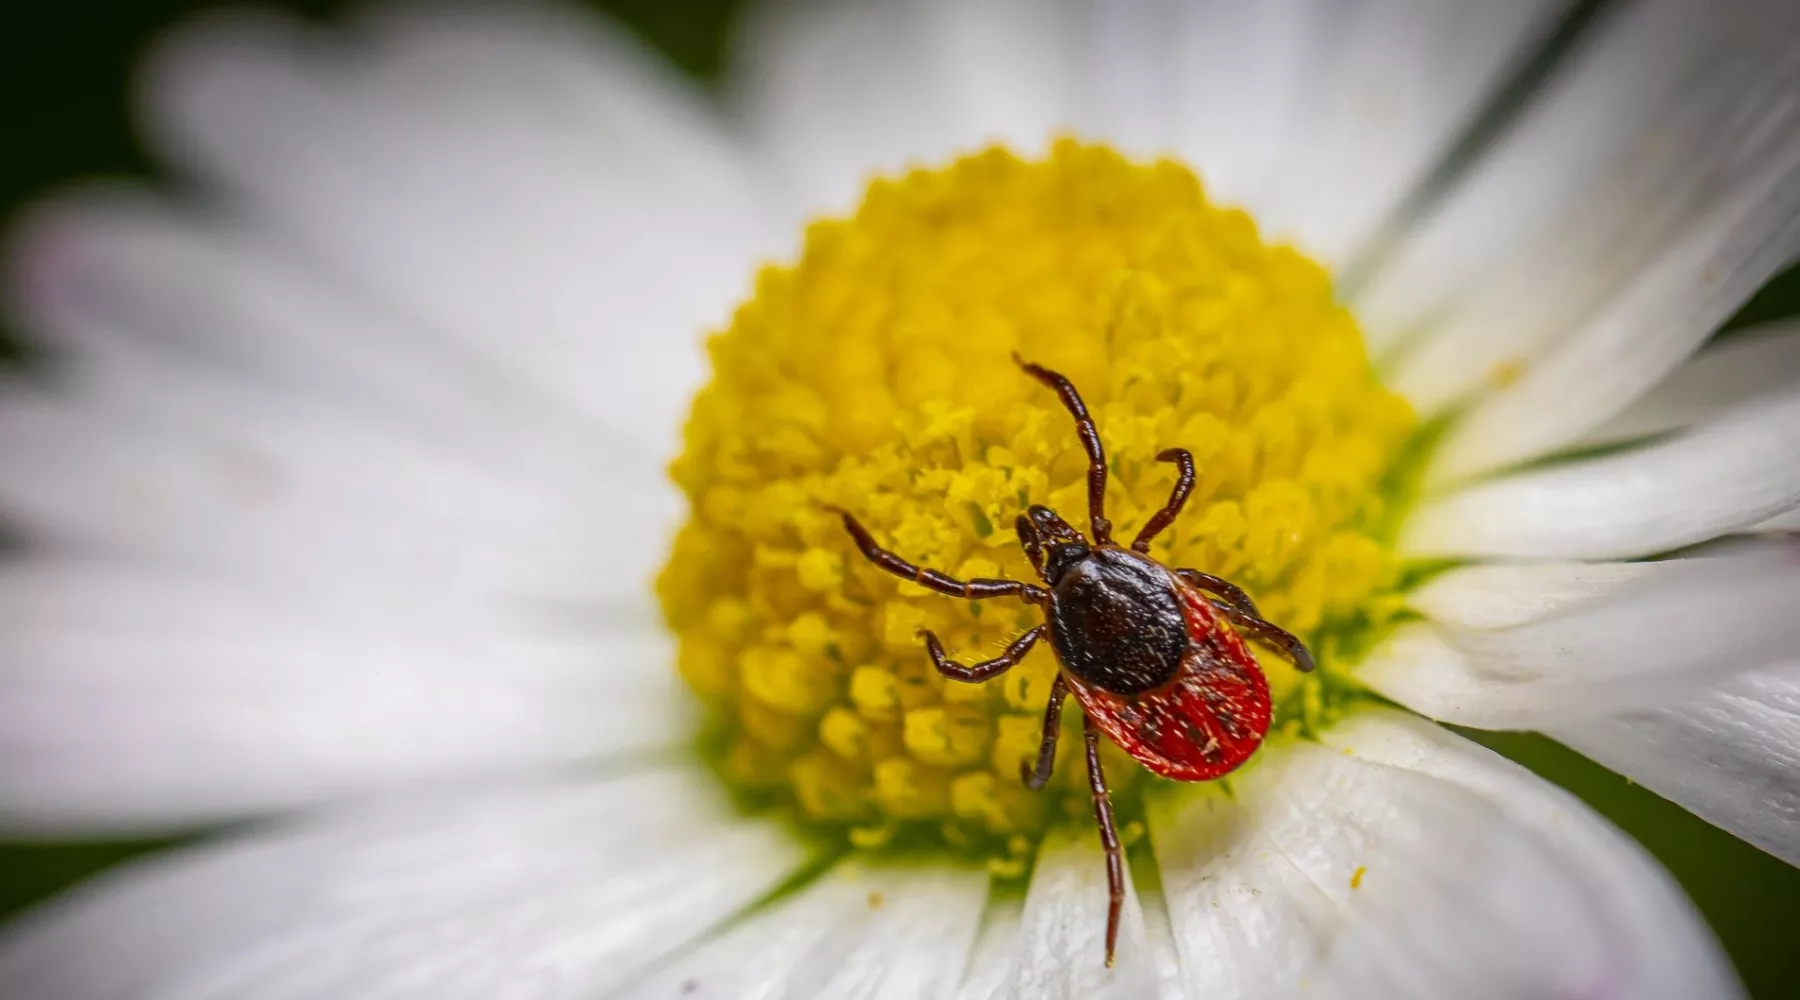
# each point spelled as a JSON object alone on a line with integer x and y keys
{"x": 931, "y": 579}
{"x": 1184, "y": 484}
{"x": 978, "y": 672}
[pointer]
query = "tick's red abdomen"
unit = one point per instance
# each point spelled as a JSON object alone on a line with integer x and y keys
{"x": 1202, "y": 722}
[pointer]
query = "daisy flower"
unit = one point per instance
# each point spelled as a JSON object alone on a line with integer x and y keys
{"x": 350, "y": 533}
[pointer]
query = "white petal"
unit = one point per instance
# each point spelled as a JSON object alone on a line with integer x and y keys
{"x": 1319, "y": 117}
{"x": 833, "y": 93}
{"x": 1716, "y": 478}
{"x": 994, "y": 961}
{"x": 754, "y": 959}
{"x": 1730, "y": 754}
{"x": 997, "y": 965}
{"x": 1788, "y": 523}
{"x": 163, "y": 461}
{"x": 1665, "y": 113}
{"x": 1678, "y": 624}
{"x": 1643, "y": 334}
{"x": 858, "y": 932}
{"x": 550, "y": 891}
{"x": 1062, "y": 936}
{"x": 520, "y": 180}
{"x": 1748, "y": 368}
{"x": 1661, "y": 946}
{"x": 1503, "y": 595}
{"x": 1160, "y": 931}
{"x": 920, "y": 952}
{"x": 1322, "y": 117}
{"x": 1401, "y": 861}
{"x": 149, "y": 700}
{"x": 111, "y": 278}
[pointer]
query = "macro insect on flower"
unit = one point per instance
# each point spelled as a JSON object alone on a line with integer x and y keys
{"x": 1149, "y": 651}
{"x": 337, "y": 513}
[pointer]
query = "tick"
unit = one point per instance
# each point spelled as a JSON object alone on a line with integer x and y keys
{"x": 1155, "y": 655}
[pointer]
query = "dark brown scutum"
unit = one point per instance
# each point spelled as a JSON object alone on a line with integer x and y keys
{"x": 1115, "y": 622}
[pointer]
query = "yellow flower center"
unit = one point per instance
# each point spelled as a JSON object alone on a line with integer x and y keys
{"x": 875, "y": 374}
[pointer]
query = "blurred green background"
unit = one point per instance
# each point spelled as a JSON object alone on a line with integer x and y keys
{"x": 63, "y": 100}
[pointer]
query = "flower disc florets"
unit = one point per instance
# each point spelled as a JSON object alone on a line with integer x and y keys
{"x": 876, "y": 374}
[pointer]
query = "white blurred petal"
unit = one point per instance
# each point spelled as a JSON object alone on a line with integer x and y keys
{"x": 1652, "y": 326}
{"x": 858, "y": 932}
{"x": 1062, "y": 935}
{"x": 521, "y": 180}
{"x": 834, "y": 93}
{"x": 547, "y": 891}
{"x": 1721, "y": 476}
{"x": 162, "y": 461}
{"x": 1401, "y": 861}
{"x": 1321, "y": 117}
{"x": 119, "y": 279}
{"x": 1678, "y": 624}
{"x": 1502, "y": 595}
{"x": 1788, "y": 522}
{"x": 1729, "y": 753}
{"x": 1662, "y": 121}
{"x": 1749, "y": 368}
{"x": 134, "y": 701}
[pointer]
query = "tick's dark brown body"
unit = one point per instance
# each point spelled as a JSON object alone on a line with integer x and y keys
{"x": 1153, "y": 654}
{"x": 1116, "y": 623}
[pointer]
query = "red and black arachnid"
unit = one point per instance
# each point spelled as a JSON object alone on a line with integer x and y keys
{"x": 1153, "y": 654}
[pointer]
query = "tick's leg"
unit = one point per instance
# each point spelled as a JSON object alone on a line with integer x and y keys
{"x": 1184, "y": 484}
{"x": 1029, "y": 541}
{"x": 1274, "y": 635}
{"x": 1109, "y": 836}
{"x": 987, "y": 668}
{"x": 1220, "y": 587}
{"x": 1090, "y": 440}
{"x": 1030, "y": 593}
{"x": 1036, "y": 778}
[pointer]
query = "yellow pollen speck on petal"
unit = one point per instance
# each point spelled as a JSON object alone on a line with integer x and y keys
{"x": 874, "y": 373}
{"x": 1356, "y": 877}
